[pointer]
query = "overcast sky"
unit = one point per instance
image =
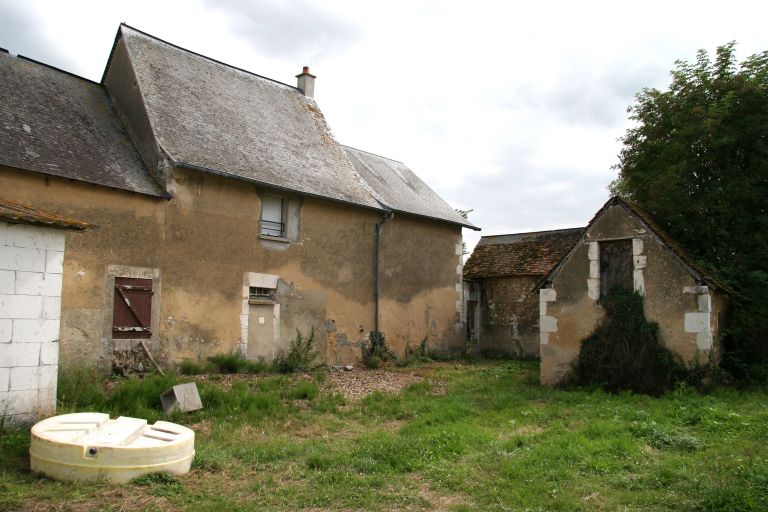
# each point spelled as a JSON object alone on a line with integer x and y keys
{"x": 511, "y": 109}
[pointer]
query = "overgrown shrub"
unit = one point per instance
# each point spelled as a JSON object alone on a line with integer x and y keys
{"x": 417, "y": 354}
{"x": 236, "y": 363}
{"x": 625, "y": 352}
{"x": 192, "y": 367}
{"x": 299, "y": 356}
{"x": 375, "y": 350}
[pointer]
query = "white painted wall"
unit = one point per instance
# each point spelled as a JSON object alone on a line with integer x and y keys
{"x": 31, "y": 266}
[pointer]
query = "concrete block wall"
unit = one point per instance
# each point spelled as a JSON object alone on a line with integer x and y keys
{"x": 31, "y": 266}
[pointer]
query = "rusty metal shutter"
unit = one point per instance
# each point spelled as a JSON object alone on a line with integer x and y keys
{"x": 132, "y": 315}
{"x": 616, "y": 265}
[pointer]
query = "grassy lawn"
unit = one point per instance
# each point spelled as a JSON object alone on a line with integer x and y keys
{"x": 479, "y": 436}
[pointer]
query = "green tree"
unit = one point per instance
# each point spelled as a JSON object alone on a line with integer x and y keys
{"x": 697, "y": 159}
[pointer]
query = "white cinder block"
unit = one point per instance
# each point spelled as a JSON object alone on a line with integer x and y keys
{"x": 49, "y": 353}
{"x": 24, "y": 377}
{"x": 19, "y": 402}
{"x": 38, "y": 283}
{"x": 54, "y": 262}
{"x": 4, "y": 233}
{"x": 547, "y": 295}
{"x": 46, "y": 402}
{"x": 7, "y": 280}
{"x": 243, "y": 321}
{"x": 5, "y": 378}
{"x": 35, "y": 331}
{"x": 459, "y": 249}
{"x": 640, "y": 262}
{"x": 6, "y": 330}
{"x": 52, "y": 308}
{"x": 547, "y": 324}
{"x": 244, "y": 308}
{"x": 696, "y": 322}
{"x": 460, "y": 269}
{"x": 22, "y": 258}
{"x": 542, "y": 308}
{"x": 47, "y": 376}
{"x": 19, "y": 354}
{"x": 543, "y": 338}
{"x": 637, "y": 246}
{"x": 593, "y": 251}
{"x": 35, "y": 237}
{"x": 21, "y": 306}
{"x": 705, "y": 303}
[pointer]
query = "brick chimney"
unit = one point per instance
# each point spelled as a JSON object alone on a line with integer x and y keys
{"x": 306, "y": 82}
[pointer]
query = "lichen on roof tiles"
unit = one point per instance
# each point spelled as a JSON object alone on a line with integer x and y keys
{"x": 214, "y": 116}
{"x": 534, "y": 253}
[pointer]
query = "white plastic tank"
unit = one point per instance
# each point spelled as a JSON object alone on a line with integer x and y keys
{"x": 90, "y": 446}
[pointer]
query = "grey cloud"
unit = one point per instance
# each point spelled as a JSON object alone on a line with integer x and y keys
{"x": 292, "y": 30}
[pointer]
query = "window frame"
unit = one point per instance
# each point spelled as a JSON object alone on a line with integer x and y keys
{"x": 265, "y": 231}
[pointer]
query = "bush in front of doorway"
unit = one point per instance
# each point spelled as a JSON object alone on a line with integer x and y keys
{"x": 300, "y": 355}
{"x": 625, "y": 352}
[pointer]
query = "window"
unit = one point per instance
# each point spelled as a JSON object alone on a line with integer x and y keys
{"x": 272, "y": 217}
{"x": 132, "y": 314}
{"x": 616, "y": 265}
{"x": 260, "y": 295}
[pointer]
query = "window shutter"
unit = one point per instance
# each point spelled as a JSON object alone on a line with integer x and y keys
{"x": 132, "y": 317}
{"x": 272, "y": 216}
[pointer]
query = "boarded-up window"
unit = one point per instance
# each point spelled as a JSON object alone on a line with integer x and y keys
{"x": 272, "y": 223}
{"x": 132, "y": 315}
{"x": 615, "y": 265}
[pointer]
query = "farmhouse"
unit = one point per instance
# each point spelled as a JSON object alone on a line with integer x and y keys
{"x": 225, "y": 215}
{"x": 501, "y": 276}
{"x": 623, "y": 246}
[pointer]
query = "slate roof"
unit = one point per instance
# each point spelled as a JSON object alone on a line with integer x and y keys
{"x": 212, "y": 116}
{"x": 62, "y": 125}
{"x": 530, "y": 254}
{"x": 398, "y": 188}
{"x": 15, "y": 213}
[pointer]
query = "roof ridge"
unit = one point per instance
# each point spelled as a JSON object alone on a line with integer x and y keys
{"x": 374, "y": 154}
{"x": 49, "y": 66}
{"x": 536, "y": 232}
{"x": 211, "y": 59}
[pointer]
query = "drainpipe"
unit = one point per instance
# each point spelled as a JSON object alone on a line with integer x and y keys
{"x": 389, "y": 215}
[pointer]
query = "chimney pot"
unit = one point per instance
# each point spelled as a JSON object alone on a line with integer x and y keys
{"x": 306, "y": 82}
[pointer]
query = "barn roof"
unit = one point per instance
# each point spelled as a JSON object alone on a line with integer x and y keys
{"x": 213, "y": 116}
{"x": 531, "y": 254}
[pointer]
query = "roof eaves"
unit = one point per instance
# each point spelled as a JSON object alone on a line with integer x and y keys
{"x": 15, "y": 213}
{"x": 225, "y": 174}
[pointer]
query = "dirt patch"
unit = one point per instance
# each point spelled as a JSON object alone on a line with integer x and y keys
{"x": 358, "y": 383}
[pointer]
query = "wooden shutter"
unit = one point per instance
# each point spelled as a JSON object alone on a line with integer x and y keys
{"x": 132, "y": 317}
{"x": 616, "y": 265}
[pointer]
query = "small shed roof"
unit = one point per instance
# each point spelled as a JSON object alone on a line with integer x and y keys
{"x": 531, "y": 254}
{"x": 15, "y": 213}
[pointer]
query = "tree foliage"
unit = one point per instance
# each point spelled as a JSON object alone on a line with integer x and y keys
{"x": 697, "y": 159}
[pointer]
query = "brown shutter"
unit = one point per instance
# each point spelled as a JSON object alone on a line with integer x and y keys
{"x": 132, "y": 316}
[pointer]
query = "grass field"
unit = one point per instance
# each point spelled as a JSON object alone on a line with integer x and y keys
{"x": 481, "y": 436}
